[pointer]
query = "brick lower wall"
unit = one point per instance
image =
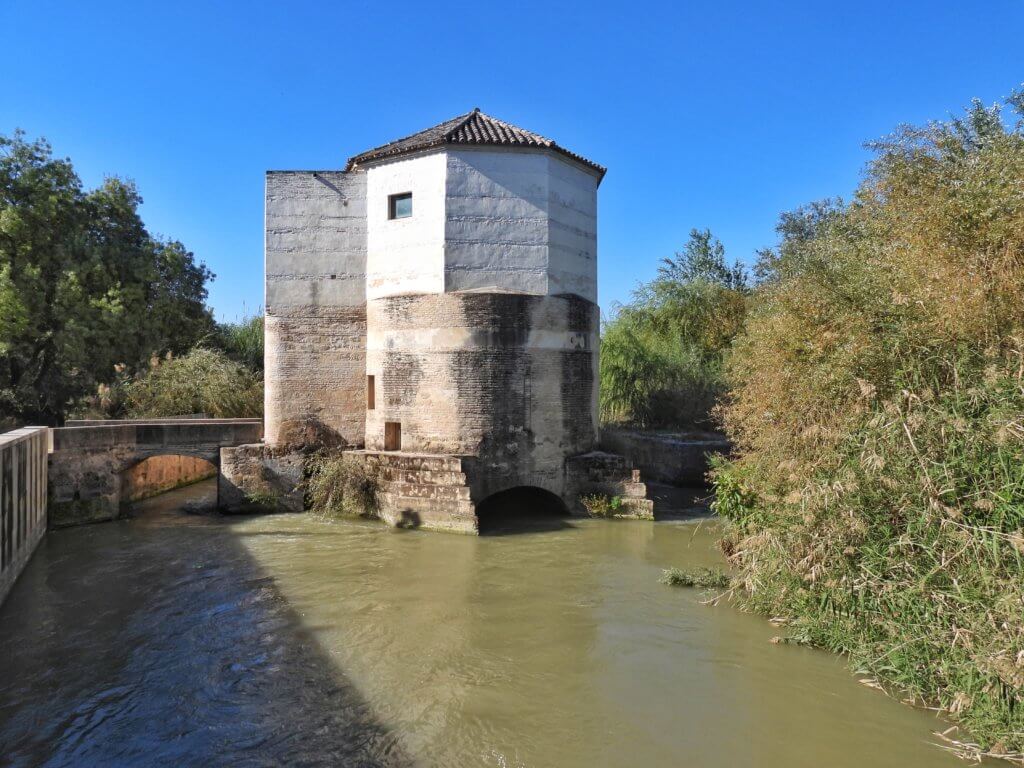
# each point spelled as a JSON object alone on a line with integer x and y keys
{"x": 507, "y": 379}
{"x": 315, "y": 378}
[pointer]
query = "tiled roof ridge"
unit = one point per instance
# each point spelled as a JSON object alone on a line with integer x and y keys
{"x": 472, "y": 128}
{"x": 462, "y": 123}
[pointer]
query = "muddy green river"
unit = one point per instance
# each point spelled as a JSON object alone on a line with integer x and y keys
{"x": 178, "y": 639}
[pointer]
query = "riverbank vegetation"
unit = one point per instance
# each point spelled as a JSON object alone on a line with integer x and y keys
{"x": 706, "y": 578}
{"x": 661, "y": 354}
{"x": 89, "y": 299}
{"x": 338, "y": 485}
{"x": 220, "y": 377}
{"x": 203, "y": 381}
{"x": 601, "y": 504}
{"x": 876, "y": 402}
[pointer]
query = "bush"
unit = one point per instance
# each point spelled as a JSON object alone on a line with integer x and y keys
{"x": 877, "y": 407}
{"x": 202, "y": 381}
{"x": 342, "y": 485}
{"x": 601, "y": 505}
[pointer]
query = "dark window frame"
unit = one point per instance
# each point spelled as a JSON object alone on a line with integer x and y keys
{"x": 393, "y": 201}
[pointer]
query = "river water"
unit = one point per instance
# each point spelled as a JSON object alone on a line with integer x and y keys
{"x": 177, "y": 639}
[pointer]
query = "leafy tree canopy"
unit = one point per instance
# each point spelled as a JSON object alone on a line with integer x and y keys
{"x": 84, "y": 287}
{"x": 661, "y": 355}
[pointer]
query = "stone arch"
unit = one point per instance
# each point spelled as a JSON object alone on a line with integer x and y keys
{"x": 521, "y": 508}
{"x": 150, "y": 473}
{"x": 207, "y": 453}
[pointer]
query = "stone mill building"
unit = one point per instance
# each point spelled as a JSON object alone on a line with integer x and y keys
{"x": 433, "y": 308}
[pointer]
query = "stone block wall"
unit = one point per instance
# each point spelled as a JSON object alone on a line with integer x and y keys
{"x": 23, "y": 475}
{"x": 315, "y": 374}
{"x": 261, "y": 478}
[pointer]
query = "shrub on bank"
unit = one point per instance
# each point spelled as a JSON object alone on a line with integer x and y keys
{"x": 601, "y": 504}
{"x": 201, "y": 381}
{"x": 877, "y": 408}
{"x": 241, "y": 341}
{"x": 339, "y": 485}
{"x": 707, "y": 578}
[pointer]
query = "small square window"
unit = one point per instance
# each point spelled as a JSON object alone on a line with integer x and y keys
{"x": 400, "y": 206}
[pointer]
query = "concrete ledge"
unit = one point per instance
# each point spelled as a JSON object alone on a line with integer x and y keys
{"x": 676, "y": 458}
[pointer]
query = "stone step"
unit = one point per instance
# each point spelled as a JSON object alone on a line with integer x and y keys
{"x": 421, "y": 476}
{"x": 438, "y": 514}
{"x": 424, "y": 502}
{"x": 426, "y": 491}
{"x": 413, "y": 461}
{"x": 635, "y": 490}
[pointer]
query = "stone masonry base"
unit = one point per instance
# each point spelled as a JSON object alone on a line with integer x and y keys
{"x": 427, "y": 491}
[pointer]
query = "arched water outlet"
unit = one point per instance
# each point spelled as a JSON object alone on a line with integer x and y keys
{"x": 522, "y": 509}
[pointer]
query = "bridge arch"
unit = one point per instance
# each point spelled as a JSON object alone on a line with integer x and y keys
{"x": 521, "y": 508}
{"x": 155, "y": 473}
{"x": 87, "y": 461}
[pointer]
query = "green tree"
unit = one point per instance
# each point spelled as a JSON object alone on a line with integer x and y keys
{"x": 661, "y": 355}
{"x": 83, "y": 285}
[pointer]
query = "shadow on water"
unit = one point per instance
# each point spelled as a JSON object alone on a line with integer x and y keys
{"x": 524, "y": 509}
{"x": 679, "y": 503}
{"x": 159, "y": 641}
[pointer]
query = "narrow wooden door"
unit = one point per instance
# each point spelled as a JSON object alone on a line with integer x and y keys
{"x": 392, "y": 436}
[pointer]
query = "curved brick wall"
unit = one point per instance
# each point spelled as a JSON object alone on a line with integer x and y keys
{"x": 508, "y": 379}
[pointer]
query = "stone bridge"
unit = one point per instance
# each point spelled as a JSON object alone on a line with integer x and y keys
{"x": 88, "y": 459}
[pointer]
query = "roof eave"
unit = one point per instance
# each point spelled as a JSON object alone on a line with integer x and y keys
{"x": 357, "y": 161}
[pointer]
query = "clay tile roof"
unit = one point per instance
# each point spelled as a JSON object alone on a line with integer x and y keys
{"x": 473, "y": 128}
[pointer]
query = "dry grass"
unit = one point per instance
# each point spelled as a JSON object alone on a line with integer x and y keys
{"x": 877, "y": 498}
{"x": 708, "y": 578}
{"x": 602, "y": 505}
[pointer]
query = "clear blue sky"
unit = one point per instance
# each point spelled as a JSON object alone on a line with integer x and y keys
{"x": 707, "y": 114}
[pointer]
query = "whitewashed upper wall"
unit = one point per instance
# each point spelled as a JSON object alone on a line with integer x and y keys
{"x": 406, "y": 255}
{"x": 572, "y": 230}
{"x": 496, "y": 230}
{"x": 315, "y": 240}
{"x": 521, "y": 221}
